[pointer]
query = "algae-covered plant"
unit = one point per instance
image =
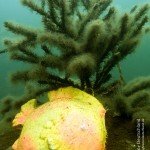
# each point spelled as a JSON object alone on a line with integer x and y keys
{"x": 89, "y": 36}
{"x": 133, "y": 101}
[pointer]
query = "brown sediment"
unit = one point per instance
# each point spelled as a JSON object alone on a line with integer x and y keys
{"x": 7, "y": 139}
{"x": 122, "y": 134}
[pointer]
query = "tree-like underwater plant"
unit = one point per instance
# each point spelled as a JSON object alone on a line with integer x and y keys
{"x": 133, "y": 101}
{"x": 89, "y": 35}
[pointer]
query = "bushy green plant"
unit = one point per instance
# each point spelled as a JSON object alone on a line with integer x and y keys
{"x": 90, "y": 37}
{"x": 133, "y": 101}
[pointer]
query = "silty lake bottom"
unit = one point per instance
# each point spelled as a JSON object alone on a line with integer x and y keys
{"x": 103, "y": 51}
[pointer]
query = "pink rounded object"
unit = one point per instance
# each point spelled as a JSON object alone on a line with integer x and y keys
{"x": 71, "y": 120}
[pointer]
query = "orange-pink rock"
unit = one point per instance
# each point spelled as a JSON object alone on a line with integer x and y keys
{"x": 71, "y": 120}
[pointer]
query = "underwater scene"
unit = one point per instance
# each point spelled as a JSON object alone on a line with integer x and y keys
{"x": 74, "y": 75}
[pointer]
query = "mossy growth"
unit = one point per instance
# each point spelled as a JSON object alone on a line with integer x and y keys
{"x": 91, "y": 37}
{"x": 7, "y": 113}
{"x": 133, "y": 102}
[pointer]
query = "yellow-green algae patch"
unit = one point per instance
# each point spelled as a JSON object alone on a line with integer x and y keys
{"x": 71, "y": 120}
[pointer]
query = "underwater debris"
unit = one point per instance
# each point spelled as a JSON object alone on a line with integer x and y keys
{"x": 133, "y": 101}
{"x": 81, "y": 36}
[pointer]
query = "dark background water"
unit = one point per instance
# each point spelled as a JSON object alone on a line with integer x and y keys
{"x": 135, "y": 65}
